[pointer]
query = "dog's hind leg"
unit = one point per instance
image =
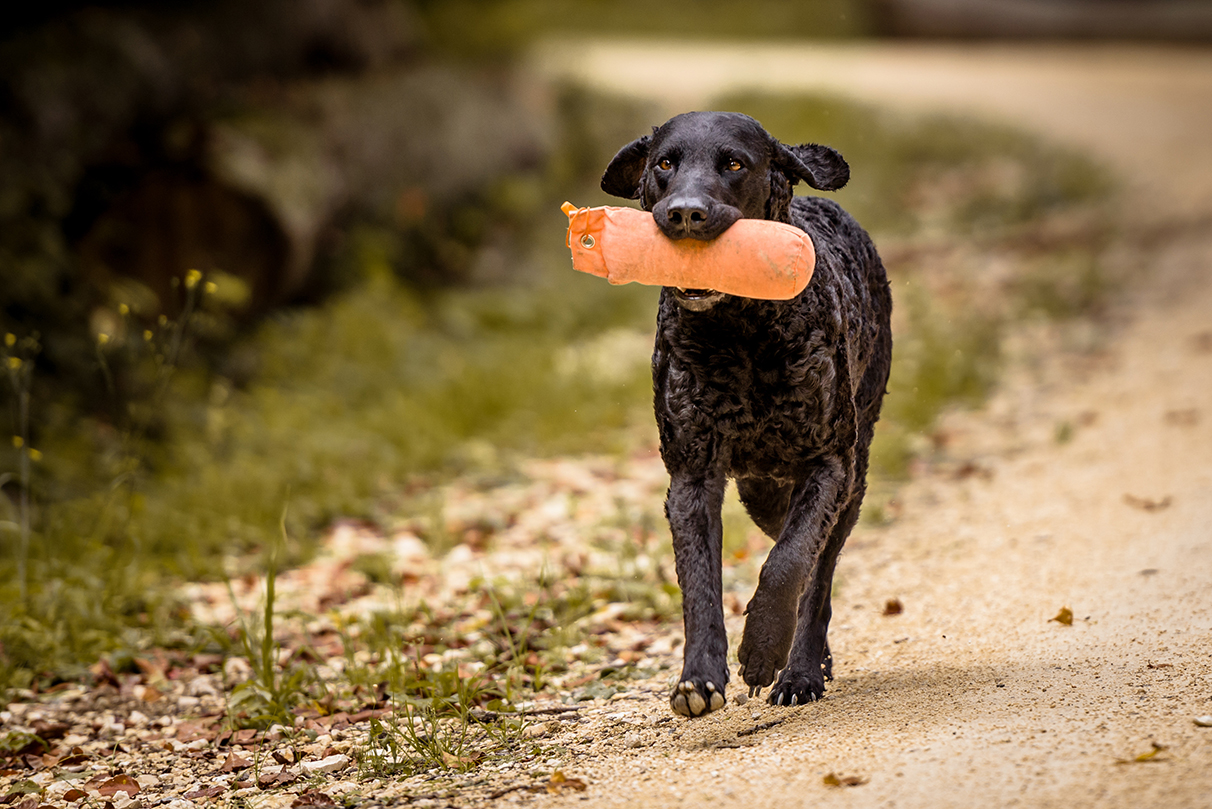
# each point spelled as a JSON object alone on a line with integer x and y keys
{"x": 802, "y": 547}
{"x": 810, "y": 662}
{"x": 767, "y": 502}
{"x": 693, "y": 508}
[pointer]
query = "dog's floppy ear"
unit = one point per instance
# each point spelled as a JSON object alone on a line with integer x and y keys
{"x": 622, "y": 176}
{"x": 819, "y": 166}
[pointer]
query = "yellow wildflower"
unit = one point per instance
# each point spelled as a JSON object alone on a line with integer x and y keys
{"x": 192, "y": 277}
{"x": 102, "y": 338}
{"x": 18, "y": 441}
{"x": 211, "y": 287}
{"x": 34, "y": 455}
{"x": 147, "y": 335}
{"x": 123, "y": 309}
{"x": 14, "y": 363}
{"x": 10, "y": 339}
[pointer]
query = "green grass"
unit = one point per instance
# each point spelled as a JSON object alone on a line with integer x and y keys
{"x": 336, "y": 410}
{"x": 480, "y": 29}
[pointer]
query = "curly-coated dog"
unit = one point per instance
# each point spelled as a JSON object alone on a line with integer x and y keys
{"x": 782, "y": 396}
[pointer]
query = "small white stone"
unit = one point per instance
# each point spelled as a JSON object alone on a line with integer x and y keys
{"x": 537, "y": 730}
{"x": 148, "y": 781}
{"x": 236, "y": 670}
{"x": 741, "y": 698}
{"x": 330, "y": 764}
{"x": 204, "y": 685}
{"x": 633, "y": 739}
{"x": 1204, "y": 721}
{"x": 55, "y": 789}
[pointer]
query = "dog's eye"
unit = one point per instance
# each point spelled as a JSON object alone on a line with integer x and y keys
{"x": 735, "y": 165}
{"x": 665, "y": 165}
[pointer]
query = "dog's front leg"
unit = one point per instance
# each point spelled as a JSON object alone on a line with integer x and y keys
{"x": 772, "y": 621}
{"x": 693, "y": 508}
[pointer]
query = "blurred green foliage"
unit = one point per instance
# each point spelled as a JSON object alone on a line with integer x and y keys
{"x": 482, "y": 29}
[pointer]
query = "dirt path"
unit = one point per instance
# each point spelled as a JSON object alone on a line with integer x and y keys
{"x": 972, "y": 696}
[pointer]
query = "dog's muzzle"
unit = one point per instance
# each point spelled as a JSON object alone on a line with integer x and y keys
{"x": 697, "y": 300}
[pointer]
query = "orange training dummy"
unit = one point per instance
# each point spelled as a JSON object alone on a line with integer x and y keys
{"x": 754, "y": 258}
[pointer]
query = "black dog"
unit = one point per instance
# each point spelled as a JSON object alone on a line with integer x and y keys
{"x": 780, "y": 395}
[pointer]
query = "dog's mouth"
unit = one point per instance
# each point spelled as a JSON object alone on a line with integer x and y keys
{"x": 696, "y": 300}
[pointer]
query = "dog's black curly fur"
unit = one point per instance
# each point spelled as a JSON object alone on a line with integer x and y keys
{"x": 782, "y": 396}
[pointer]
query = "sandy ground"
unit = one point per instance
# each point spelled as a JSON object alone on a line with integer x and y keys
{"x": 972, "y": 696}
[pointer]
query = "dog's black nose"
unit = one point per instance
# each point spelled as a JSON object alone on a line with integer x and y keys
{"x": 687, "y": 215}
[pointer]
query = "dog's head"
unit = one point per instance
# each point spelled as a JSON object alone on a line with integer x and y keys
{"x": 701, "y": 171}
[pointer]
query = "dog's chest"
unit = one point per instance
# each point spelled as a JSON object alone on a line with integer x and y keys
{"x": 763, "y": 399}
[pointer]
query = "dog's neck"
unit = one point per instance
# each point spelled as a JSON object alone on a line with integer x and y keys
{"x": 778, "y": 204}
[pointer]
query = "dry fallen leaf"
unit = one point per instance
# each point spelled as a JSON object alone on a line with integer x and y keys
{"x": 1148, "y": 503}
{"x": 833, "y": 780}
{"x": 50, "y": 731}
{"x": 1143, "y": 758}
{"x": 559, "y": 782}
{"x": 1065, "y": 617}
{"x": 459, "y": 762}
{"x": 73, "y": 795}
{"x": 1187, "y": 417}
{"x": 312, "y": 798}
{"x": 280, "y": 778}
{"x": 893, "y": 606}
{"x": 76, "y": 758}
{"x": 119, "y": 783}
{"x": 205, "y": 792}
{"x": 234, "y": 763}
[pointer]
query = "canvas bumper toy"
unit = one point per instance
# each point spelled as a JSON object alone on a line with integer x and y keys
{"x": 753, "y": 258}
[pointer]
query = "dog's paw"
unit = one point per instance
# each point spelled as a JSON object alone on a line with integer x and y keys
{"x": 797, "y": 689}
{"x": 694, "y": 697}
{"x": 759, "y": 663}
{"x": 766, "y": 642}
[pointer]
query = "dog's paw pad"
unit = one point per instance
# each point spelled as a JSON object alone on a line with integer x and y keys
{"x": 689, "y": 699}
